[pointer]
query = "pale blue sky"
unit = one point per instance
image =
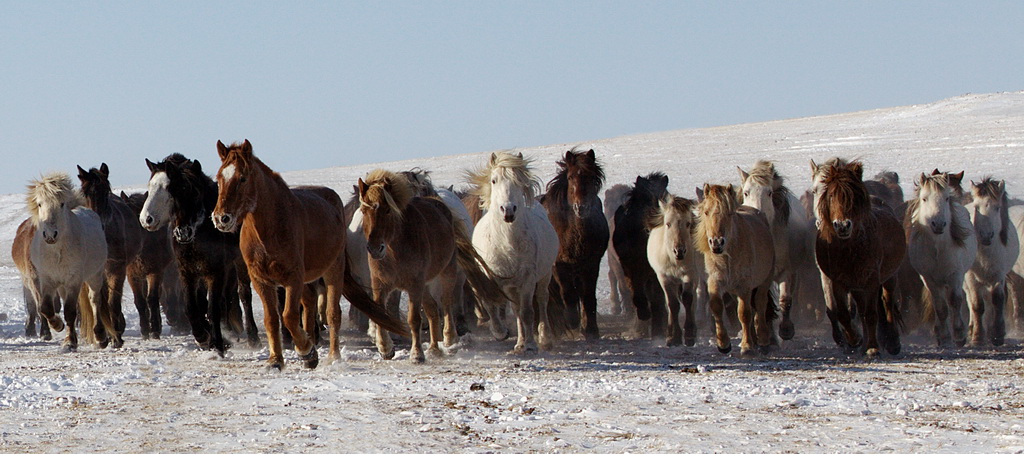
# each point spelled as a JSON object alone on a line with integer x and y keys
{"x": 337, "y": 83}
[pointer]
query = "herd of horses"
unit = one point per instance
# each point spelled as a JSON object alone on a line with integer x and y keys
{"x": 195, "y": 247}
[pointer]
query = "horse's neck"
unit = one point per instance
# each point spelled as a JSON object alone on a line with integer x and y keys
{"x": 273, "y": 200}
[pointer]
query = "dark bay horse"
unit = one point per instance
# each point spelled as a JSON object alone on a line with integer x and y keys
{"x": 181, "y": 196}
{"x": 124, "y": 240}
{"x": 575, "y": 210}
{"x": 290, "y": 237}
{"x": 860, "y": 245}
{"x": 630, "y": 241}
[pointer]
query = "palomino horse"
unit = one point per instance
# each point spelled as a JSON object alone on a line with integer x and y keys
{"x": 630, "y": 241}
{"x": 124, "y": 241}
{"x": 942, "y": 247}
{"x": 416, "y": 245}
{"x": 736, "y": 241}
{"x": 289, "y": 237}
{"x": 680, "y": 269}
{"x": 859, "y": 247}
{"x": 180, "y": 196}
{"x": 613, "y": 199}
{"x": 574, "y": 210}
{"x": 60, "y": 250}
{"x": 519, "y": 246}
{"x": 792, "y": 232}
{"x": 998, "y": 247}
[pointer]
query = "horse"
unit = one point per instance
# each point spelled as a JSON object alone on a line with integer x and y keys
{"x": 629, "y": 239}
{"x": 859, "y": 247}
{"x": 941, "y": 246}
{"x": 20, "y": 253}
{"x": 792, "y": 232}
{"x": 1015, "y": 278}
{"x": 289, "y": 237}
{"x": 415, "y": 244}
{"x": 180, "y": 195}
{"x": 519, "y": 246}
{"x": 679, "y": 268}
{"x": 613, "y": 199}
{"x": 60, "y": 249}
{"x": 124, "y": 241}
{"x": 146, "y": 271}
{"x": 739, "y": 257}
{"x": 574, "y": 209}
{"x": 998, "y": 250}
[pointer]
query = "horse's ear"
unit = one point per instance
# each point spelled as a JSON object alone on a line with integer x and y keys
{"x": 246, "y": 147}
{"x": 569, "y": 156}
{"x": 701, "y": 193}
{"x": 151, "y": 165}
{"x": 124, "y": 196}
{"x": 956, "y": 178}
{"x": 81, "y": 172}
{"x": 197, "y": 166}
{"x": 1002, "y": 187}
{"x": 936, "y": 172}
{"x": 814, "y": 168}
{"x": 520, "y": 155}
{"x": 732, "y": 191}
{"x": 361, "y": 188}
{"x": 222, "y": 151}
{"x": 858, "y": 169}
{"x": 494, "y": 159}
{"x": 920, "y": 180}
{"x": 664, "y": 179}
{"x": 591, "y": 154}
{"x": 104, "y": 170}
{"x": 743, "y": 175}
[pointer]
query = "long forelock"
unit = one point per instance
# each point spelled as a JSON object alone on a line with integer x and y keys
{"x": 989, "y": 187}
{"x": 52, "y": 188}
{"x": 517, "y": 170}
{"x": 842, "y": 188}
{"x": 765, "y": 174}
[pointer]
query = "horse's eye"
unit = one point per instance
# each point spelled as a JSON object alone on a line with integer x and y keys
{"x": 62, "y": 204}
{"x": 242, "y": 179}
{"x": 746, "y": 193}
{"x": 770, "y": 193}
{"x": 494, "y": 181}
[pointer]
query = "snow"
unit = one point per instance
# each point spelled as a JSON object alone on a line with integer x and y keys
{"x": 614, "y": 395}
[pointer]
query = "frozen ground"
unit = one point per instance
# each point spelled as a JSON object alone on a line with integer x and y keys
{"x": 612, "y": 395}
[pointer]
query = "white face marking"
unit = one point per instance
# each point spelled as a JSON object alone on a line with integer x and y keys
{"x": 228, "y": 172}
{"x": 157, "y": 209}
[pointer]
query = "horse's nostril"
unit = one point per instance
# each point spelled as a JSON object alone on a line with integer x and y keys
{"x": 149, "y": 219}
{"x": 225, "y": 219}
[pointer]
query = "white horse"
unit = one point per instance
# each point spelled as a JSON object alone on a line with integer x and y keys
{"x": 680, "y": 268}
{"x": 793, "y": 232}
{"x": 67, "y": 249}
{"x": 997, "y": 252}
{"x": 518, "y": 243}
{"x": 942, "y": 246}
{"x": 1015, "y": 279}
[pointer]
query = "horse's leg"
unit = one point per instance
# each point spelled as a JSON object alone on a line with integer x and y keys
{"x": 888, "y": 320}
{"x": 588, "y": 279}
{"x": 747, "y": 312}
{"x": 659, "y": 310}
{"x": 942, "y": 301}
{"x": 432, "y": 309}
{"x": 153, "y": 283}
{"x": 48, "y": 310}
{"x": 761, "y": 299}
{"x": 717, "y": 306}
{"x": 640, "y": 302}
{"x": 1015, "y": 298}
{"x": 310, "y": 298}
{"x": 976, "y": 304}
{"x": 838, "y": 310}
{"x": 271, "y": 322}
{"x": 672, "y": 288}
{"x": 292, "y": 316}
{"x": 115, "y": 283}
{"x": 541, "y": 297}
{"x": 70, "y": 317}
{"x": 450, "y": 296}
{"x": 232, "y": 305}
{"x": 415, "y": 321}
{"x": 522, "y": 303}
{"x": 867, "y": 302}
{"x": 958, "y": 297}
{"x": 613, "y": 284}
{"x": 137, "y": 283}
{"x": 105, "y": 329}
{"x": 690, "y": 325}
{"x": 997, "y": 333}
{"x": 245, "y": 297}
{"x": 217, "y": 295}
{"x": 195, "y": 307}
{"x": 569, "y": 293}
{"x": 334, "y": 280}
{"x": 788, "y": 287}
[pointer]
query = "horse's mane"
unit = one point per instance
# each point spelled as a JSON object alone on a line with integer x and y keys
{"x": 514, "y": 167}
{"x": 420, "y": 180}
{"x": 657, "y": 217}
{"x": 764, "y": 174}
{"x": 391, "y": 188}
{"x": 593, "y": 175}
{"x": 843, "y": 184}
{"x": 646, "y": 191}
{"x": 939, "y": 181}
{"x": 725, "y": 199}
{"x": 246, "y": 158}
{"x": 992, "y": 188}
{"x": 52, "y": 187}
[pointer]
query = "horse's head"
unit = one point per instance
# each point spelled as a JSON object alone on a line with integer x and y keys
{"x": 841, "y": 199}
{"x": 96, "y": 187}
{"x": 675, "y": 215}
{"x": 506, "y": 185}
{"x": 50, "y": 200}
{"x": 156, "y": 210}
{"x": 717, "y": 210}
{"x": 763, "y": 189}
{"x": 583, "y": 177}
{"x": 420, "y": 181}
{"x": 237, "y": 185}
{"x": 990, "y": 212}
{"x": 933, "y": 207}
{"x": 383, "y": 198}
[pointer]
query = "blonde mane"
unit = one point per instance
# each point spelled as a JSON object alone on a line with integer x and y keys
{"x": 388, "y": 187}
{"x": 53, "y": 187}
{"x": 715, "y": 196}
{"x": 514, "y": 167}
{"x": 938, "y": 182}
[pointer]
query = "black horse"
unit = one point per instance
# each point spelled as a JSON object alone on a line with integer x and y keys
{"x": 630, "y": 242}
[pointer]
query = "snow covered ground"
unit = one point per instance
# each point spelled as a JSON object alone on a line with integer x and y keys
{"x": 612, "y": 395}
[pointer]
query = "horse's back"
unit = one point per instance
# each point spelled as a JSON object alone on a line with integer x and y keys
{"x": 755, "y": 231}
{"x": 457, "y": 208}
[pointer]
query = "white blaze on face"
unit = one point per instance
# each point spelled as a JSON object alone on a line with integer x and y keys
{"x": 228, "y": 173}
{"x": 157, "y": 209}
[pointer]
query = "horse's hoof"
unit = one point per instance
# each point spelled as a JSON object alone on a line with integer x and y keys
{"x": 417, "y": 358}
{"x": 872, "y": 353}
{"x": 748, "y": 353}
{"x": 310, "y": 360}
{"x": 102, "y": 343}
{"x": 500, "y": 335}
{"x": 387, "y": 355}
{"x": 154, "y": 336}
{"x": 690, "y": 341}
{"x": 674, "y": 341}
{"x": 764, "y": 349}
{"x": 592, "y": 335}
{"x": 998, "y": 341}
{"x": 274, "y": 366}
{"x": 117, "y": 342}
{"x": 725, "y": 350}
{"x": 435, "y": 353}
{"x": 69, "y": 348}
{"x": 46, "y": 337}
{"x": 523, "y": 350}
{"x": 786, "y": 330}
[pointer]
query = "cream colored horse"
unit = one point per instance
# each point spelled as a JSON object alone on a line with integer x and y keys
{"x": 739, "y": 256}
{"x": 998, "y": 247}
{"x": 680, "y": 268}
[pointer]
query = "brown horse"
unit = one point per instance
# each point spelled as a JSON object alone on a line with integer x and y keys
{"x": 860, "y": 245}
{"x": 146, "y": 271}
{"x": 416, "y": 245}
{"x": 739, "y": 258}
{"x": 574, "y": 209}
{"x": 124, "y": 241}
{"x": 289, "y": 237}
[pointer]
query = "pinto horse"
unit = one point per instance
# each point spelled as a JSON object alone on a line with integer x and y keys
{"x": 630, "y": 241}
{"x": 290, "y": 237}
{"x": 415, "y": 244}
{"x": 574, "y": 209}
{"x": 998, "y": 249}
{"x": 859, "y": 247}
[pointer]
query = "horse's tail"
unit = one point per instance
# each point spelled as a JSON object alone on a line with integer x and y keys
{"x": 927, "y": 306}
{"x": 87, "y": 315}
{"x": 357, "y": 295}
{"x": 480, "y": 276}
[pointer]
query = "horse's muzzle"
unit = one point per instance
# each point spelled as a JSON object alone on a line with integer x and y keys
{"x": 50, "y": 239}
{"x": 184, "y": 235}
{"x": 679, "y": 253}
{"x": 843, "y": 228}
{"x": 223, "y": 222}
{"x": 938, "y": 227}
{"x": 377, "y": 252}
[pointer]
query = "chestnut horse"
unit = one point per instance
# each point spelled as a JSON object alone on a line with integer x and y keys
{"x": 859, "y": 247}
{"x": 574, "y": 209}
{"x": 290, "y": 237}
{"x": 415, "y": 244}
{"x": 739, "y": 257}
